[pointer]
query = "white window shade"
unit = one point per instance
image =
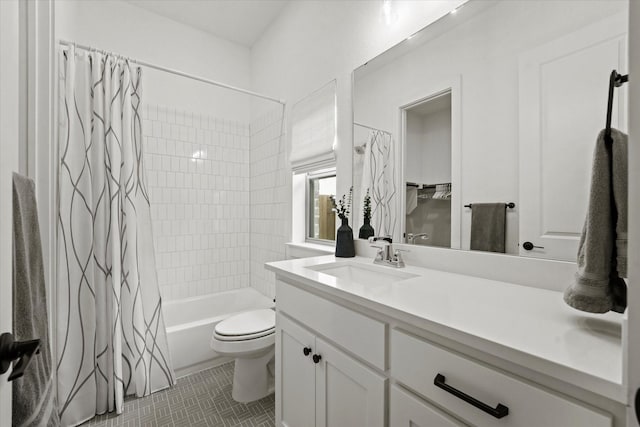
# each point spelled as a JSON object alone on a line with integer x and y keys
{"x": 313, "y": 130}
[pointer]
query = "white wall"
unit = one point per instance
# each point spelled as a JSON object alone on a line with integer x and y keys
{"x": 429, "y": 147}
{"x": 313, "y": 42}
{"x": 122, "y": 28}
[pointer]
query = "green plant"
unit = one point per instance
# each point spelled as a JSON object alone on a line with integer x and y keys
{"x": 367, "y": 206}
{"x": 343, "y": 207}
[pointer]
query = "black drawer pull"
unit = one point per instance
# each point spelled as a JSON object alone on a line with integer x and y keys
{"x": 499, "y": 411}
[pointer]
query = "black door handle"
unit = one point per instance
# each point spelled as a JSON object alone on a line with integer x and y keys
{"x": 11, "y": 350}
{"x": 316, "y": 358}
{"x": 499, "y": 411}
{"x": 637, "y": 405}
{"x": 306, "y": 351}
{"x": 528, "y": 246}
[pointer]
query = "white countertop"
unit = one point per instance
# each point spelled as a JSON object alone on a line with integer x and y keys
{"x": 527, "y": 326}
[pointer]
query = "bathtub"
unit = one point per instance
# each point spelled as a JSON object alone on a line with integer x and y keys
{"x": 190, "y": 323}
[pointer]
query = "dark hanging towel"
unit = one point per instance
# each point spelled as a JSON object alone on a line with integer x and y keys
{"x": 34, "y": 394}
{"x": 602, "y": 253}
{"x": 488, "y": 227}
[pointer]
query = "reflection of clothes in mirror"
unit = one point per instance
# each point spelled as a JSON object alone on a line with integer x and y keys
{"x": 412, "y": 199}
{"x": 488, "y": 231}
{"x": 431, "y": 216}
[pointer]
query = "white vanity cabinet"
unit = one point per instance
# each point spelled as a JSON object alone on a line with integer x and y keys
{"x": 479, "y": 394}
{"x": 319, "y": 385}
{"x": 342, "y": 360}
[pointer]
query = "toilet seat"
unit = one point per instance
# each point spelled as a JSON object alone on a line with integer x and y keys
{"x": 246, "y": 326}
{"x": 246, "y": 333}
{"x": 243, "y": 337}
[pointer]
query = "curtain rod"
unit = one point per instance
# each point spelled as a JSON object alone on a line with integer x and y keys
{"x": 176, "y": 72}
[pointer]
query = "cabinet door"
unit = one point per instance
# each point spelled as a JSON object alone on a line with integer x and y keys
{"x": 409, "y": 411}
{"x": 347, "y": 392}
{"x": 295, "y": 375}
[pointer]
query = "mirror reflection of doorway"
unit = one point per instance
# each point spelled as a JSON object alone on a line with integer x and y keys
{"x": 428, "y": 172}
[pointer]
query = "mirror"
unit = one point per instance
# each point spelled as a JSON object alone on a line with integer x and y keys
{"x": 477, "y": 132}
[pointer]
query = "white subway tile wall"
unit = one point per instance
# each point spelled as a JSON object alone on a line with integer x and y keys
{"x": 199, "y": 186}
{"x": 269, "y": 198}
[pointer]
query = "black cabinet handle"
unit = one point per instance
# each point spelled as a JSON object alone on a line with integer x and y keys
{"x": 11, "y": 350}
{"x": 316, "y": 358}
{"x": 306, "y": 351}
{"x": 499, "y": 411}
{"x": 528, "y": 246}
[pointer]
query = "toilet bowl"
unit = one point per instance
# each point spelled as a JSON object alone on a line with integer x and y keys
{"x": 250, "y": 338}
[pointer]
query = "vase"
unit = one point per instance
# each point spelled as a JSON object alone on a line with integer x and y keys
{"x": 344, "y": 241}
{"x": 366, "y": 230}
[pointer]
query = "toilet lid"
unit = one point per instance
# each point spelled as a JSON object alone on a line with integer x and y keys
{"x": 248, "y": 323}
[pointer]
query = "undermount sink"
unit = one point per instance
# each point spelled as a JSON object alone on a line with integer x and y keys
{"x": 362, "y": 273}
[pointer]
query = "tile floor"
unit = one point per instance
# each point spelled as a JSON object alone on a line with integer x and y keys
{"x": 200, "y": 399}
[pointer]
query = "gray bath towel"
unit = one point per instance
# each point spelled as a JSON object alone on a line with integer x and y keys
{"x": 598, "y": 286}
{"x": 34, "y": 402}
{"x": 488, "y": 221}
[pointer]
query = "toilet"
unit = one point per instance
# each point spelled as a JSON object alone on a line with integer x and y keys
{"x": 250, "y": 338}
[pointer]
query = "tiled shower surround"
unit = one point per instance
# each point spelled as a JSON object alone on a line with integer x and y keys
{"x": 269, "y": 193}
{"x": 218, "y": 200}
{"x": 198, "y": 175}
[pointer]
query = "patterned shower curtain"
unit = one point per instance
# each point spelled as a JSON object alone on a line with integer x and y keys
{"x": 111, "y": 338}
{"x": 379, "y": 176}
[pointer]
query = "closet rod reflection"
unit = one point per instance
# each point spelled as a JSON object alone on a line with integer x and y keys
{"x": 509, "y": 205}
{"x": 176, "y": 72}
{"x": 372, "y": 128}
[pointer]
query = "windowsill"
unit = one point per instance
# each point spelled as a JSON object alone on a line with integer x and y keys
{"x": 306, "y": 249}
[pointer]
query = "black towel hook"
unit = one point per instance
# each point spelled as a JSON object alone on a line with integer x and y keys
{"x": 615, "y": 80}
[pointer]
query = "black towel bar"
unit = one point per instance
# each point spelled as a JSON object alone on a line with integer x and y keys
{"x": 509, "y": 205}
{"x": 615, "y": 80}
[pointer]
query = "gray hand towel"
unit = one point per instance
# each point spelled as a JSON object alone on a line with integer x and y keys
{"x": 598, "y": 286}
{"x": 34, "y": 402}
{"x": 488, "y": 221}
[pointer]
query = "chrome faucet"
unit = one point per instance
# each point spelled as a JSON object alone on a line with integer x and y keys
{"x": 411, "y": 238}
{"x": 386, "y": 254}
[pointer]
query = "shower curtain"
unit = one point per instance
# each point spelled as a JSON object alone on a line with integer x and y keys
{"x": 378, "y": 175}
{"x": 111, "y": 338}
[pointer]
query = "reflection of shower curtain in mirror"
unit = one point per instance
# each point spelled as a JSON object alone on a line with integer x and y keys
{"x": 378, "y": 175}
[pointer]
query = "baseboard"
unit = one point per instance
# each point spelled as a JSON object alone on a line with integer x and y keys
{"x": 197, "y": 367}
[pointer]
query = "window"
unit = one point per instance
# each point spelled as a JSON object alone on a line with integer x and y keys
{"x": 320, "y": 196}
{"x": 313, "y": 161}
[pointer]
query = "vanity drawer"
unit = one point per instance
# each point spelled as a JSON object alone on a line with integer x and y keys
{"x": 416, "y": 363}
{"x": 409, "y": 411}
{"x": 362, "y": 335}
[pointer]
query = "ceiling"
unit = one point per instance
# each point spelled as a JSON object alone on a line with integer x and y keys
{"x": 240, "y": 21}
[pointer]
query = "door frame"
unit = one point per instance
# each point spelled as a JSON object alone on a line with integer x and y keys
{"x": 631, "y": 343}
{"x": 9, "y": 131}
{"x": 452, "y": 85}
